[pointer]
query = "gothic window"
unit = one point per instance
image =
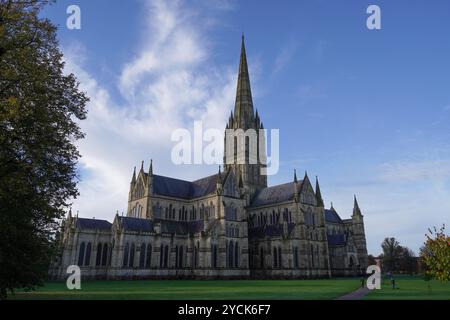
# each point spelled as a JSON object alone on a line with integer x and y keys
{"x": 196, "y": 249}
{"x": 230, "y": 254}
{"x": 296, "y": 257}
{"x": 132, "y": 251}
{"x": 81, "y": 254}
{"x": 261, "y": 257}
{"x": 148, "y": 258}
{"x": 161, "y": 256}
{"x": 105, "y": 254}
{"x": 98, "y": 259}
{"x": 142, "y": 256}
{"x": 176, "y": 256}
{"x": 280, "y": 264}
{"x": 236, "y": 255}
{"x": 214, "y": 256}
{"x": 166, "y": 256}
{"x": 125, "y": 255}
{"x": 275, "y": 257}
{"x": 312, "y": 255}
{"x": 180, "y": 259}
{"x": 87, "y": 259}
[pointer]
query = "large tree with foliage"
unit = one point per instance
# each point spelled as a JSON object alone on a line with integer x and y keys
{"x": 435, "y": 254}
{"x": 40, "y": 107}
{"x": 390, "y": 257}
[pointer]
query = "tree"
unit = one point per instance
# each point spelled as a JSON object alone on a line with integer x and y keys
{"x": 391, "y": 254}
{"x": 40, "y": 108}
{"x": 435, "y": 254}
{"x": 407, "y": 261}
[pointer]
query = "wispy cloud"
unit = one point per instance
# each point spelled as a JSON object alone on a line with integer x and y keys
{"x": 285, "y": 56}
{"x": 169, "y": 84}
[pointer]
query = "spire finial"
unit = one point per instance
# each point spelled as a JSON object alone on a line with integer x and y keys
{"x": 150, "y": 169}
{"x": 356, "y": 210}
{"x": 133, "y": 179}
{"x": 319, "y": 199}
{"x": 243, "y": 109}
{"x": 295, "y": 176}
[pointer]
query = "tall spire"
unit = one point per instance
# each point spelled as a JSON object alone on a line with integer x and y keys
{"x": 243, "y": 109}
{"x": 318, "y": 194}
{"x": 356, "y": 210}
{"x": 295, "y": 176}
{"x": 133, "y": 179}
{"x": 150, "y": 169}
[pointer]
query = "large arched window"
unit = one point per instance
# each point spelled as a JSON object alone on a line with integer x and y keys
{"x": 312, "y": 255}
{"x": 176, "y": 257}
{"x": 296, "y": 264}
{"x": 230, "y": 254}
{"x": 81, "y": 254}
{"x": 261, "y": 257}
{"x": 126, "y": 252}
{"x": 280, "y": 263}
{"x": 275, "y": 257}
{"x": 214, "y": 256}
{"x": 180, "y": 258}
{"x": 132, "y": 251}
{"x": 87, "y": 259}
{"x": 166, "y": 256}
{"x": 105, "y": 254}
{"x": 161, "y": 256}
{"x": 142, "y": 256}
{"x": 148, "y": 259}
{"x": 196, "y": 254}
{"x": 98, "y": 259}
{"x": 236, "y": 255}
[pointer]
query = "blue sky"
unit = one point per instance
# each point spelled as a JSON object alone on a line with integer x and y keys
{"x": 368, "y": 111}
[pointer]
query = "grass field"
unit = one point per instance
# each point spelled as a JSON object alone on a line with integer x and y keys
{"x": 411, "y": 288}
{"x": 200, "y": 289}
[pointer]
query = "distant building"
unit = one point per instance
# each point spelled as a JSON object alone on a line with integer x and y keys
{"x": 228, "y": 225}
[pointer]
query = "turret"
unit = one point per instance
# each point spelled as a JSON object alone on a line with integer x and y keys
{"x": 319, "y": 199}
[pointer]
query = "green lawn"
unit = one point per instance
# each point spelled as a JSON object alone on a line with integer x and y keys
{"x": 411, "y": 288}
{"x": 200, "y": 289}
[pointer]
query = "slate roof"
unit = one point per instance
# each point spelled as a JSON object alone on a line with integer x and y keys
{"x": 332, "y": 216}
{"x": 275, "y": 194}
{"x": 136, "y": 224}
{"x": 336, "y": 239}
{"x": 177, "y": 188}
{"x": 93, "y": 224}
{"x": 180, "y": 227}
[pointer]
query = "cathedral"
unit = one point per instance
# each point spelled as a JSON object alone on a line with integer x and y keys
{"x": 228, "y": 225}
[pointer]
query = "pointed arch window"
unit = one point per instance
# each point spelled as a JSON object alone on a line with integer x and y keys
{"x": 148, "y": 258}
{"x": 236, "y": 255}
{"x": 142, "y": 256}
{"x": 275, "y": 257}
{"x": 98, "y": 259}
{"x": 87, "y": 259}
{"x": 81, "y": 254}
{"x": 105, "y": 254}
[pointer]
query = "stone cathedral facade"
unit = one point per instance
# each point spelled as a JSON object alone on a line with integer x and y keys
{"x": 228, "y": 225}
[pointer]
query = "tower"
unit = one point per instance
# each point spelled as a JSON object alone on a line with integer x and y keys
{"x": 244, "y": 141}
{"x": 359, "y": 234}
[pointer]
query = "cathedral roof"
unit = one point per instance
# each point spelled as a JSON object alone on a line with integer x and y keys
{"x": 276, "y": 194}
{"x": 136, "y": 224}
{"x": 93, "y": 224}
{"x": 332, "y": 216}
{"x": 177, "y": 188}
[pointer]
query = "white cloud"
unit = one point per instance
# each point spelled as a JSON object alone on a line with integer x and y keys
{"x": 168, "y": 84}
{"x": 285, "y": 56}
